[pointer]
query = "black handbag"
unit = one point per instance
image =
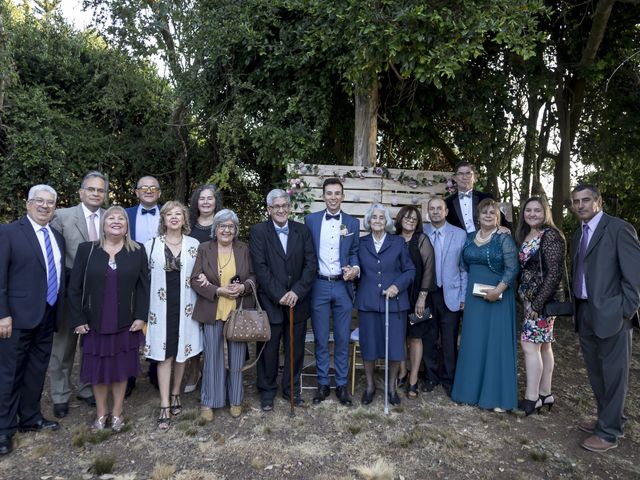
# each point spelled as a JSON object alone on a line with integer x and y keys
{"x": 414, "y": 319}
{"x": 555, "y": 308}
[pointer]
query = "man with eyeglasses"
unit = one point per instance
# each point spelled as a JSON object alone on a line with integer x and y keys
{"x": 77, "y": 224}
{"x": 144, "y": 220}
{"x": 285, "y": 266}
{"x": 462, "y": 205}
{"x": 31, "y": 300}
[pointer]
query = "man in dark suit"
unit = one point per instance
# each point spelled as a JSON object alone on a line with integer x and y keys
{"x": 336, "y": 237}
{"x": 606, "y": 285}
{"x": 31, "y": 292}
{"x": 144, "y": 220}
{"x": 285, "y": 266}
{"x": 463, "y": 205}
{"x": 76, "y": 224}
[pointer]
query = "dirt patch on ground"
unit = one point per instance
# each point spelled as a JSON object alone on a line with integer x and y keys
{"x": 430, "y": 437}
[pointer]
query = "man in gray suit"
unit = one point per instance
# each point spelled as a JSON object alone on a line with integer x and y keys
{"x": 447, "y": 300}
{"x": 606, "y": 284}
{"x": 76, "y": 224}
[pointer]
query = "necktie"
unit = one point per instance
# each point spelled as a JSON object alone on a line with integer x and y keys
{"x": 462, "y": 195}
{"x": 93, "y": 233}
{"x": 151, "y": 211}
{"x": 284, "y": 230}
{"x": 328, "y": 216}
{"x": 438, "y": 248}
{"x": 52, "y": 277}
{"x": 579, "y": 273}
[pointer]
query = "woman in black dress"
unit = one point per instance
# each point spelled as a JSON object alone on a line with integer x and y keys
{"x": 408, "y": 224}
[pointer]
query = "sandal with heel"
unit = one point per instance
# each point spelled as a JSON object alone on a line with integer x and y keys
{"x": 529, "y": 406}
{"x": 164, "y": 420}
{"x": 412, "y": 391}
{"x": 176, "y": 407}
{"x": 547, "y": 401}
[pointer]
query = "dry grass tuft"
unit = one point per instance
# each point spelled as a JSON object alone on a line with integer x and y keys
{"x": 354, "y": 429}
{"x": 162, "y": 471}
{"x": 538, "y": 455}
{"x": 103, "y": 464}
{"x": 40, "y": 451}
{"x": 187, "y": 416}
{"x": 380, "y": 470}
{"x": 191, "y": 431}
{"x": 257, "y": 463}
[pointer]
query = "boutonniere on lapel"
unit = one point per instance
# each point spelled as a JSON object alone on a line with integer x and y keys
{"x": 344, "y": 231}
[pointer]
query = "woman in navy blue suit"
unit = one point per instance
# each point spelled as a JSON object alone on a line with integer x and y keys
{"x": 385, "y": 265}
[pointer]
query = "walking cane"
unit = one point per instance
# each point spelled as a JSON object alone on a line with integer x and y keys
{"x": 386, "y": 351}
{"x": 291, "y": 381}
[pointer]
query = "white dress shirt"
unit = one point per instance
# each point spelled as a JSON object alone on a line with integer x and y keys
{"x": 284, "y": 238}
{"x": 146, "y": 225}
{"x": 329, "y": 250}
{"x": 96, "y": 220}
{"x": 466, "y": 207}
{"x": 57, "y": 256}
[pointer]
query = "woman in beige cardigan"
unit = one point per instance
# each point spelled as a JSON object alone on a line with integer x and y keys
{"x": 226, "y": 264}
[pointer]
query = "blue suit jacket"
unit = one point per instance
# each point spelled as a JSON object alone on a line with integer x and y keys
{"x": 454, "y": 278}
{"x": 392, "y": 265}
{"x": 23, "y": 275}
{"x": 349, "y": 244}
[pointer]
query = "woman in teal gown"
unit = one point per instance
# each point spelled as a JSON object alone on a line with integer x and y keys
{"x": 486, "y": 369}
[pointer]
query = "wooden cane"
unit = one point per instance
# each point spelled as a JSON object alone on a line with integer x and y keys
{"x": 291, "y": 380}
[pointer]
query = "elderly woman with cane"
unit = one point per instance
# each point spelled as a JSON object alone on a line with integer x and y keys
{"x": 386, "y": 269}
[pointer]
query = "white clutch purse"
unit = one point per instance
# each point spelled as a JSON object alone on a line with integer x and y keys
{"x": 479, "y": 287}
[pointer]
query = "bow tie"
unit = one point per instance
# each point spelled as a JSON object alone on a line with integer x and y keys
{"x": 284, "y": 230}
{"x": 152, "y": 211}
{"x": 328, "y": 216}
{"x": 464, "y": 194}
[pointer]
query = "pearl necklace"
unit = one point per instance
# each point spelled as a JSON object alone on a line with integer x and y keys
{"x": 480, "y": 240}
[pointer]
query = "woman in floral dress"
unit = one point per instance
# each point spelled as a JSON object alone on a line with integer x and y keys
{"x": 173, "y": 336}
{"x": 542, "y": 260}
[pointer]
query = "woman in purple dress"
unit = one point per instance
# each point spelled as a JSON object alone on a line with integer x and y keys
{"x": 109, "y": 301}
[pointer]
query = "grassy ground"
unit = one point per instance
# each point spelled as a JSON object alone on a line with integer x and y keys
{"x": 430, "y": 437}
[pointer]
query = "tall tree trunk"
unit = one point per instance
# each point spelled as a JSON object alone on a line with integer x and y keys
{"x": 529, "y": 157}
{"x": 366, "y": 125}
{"x": 570, "y": 96}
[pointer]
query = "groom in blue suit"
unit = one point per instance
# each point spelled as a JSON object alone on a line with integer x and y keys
{"x": 335, "y": 238}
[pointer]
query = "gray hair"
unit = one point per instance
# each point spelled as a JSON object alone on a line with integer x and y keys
{"x": 225, "y": 215}
{"x": 388, "y": 227}
{"x": 276, "y": 193}
{"x": 95, "y": 174}
{"x": 41, "y": 188}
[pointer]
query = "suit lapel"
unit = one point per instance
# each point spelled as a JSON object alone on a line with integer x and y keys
{"x": 81, "y": 223}
{"x": 293, "y": 239}
{"x": 597, "y": 235}
{"x": 32, "y": 240}
{"x": 275, "y": 239}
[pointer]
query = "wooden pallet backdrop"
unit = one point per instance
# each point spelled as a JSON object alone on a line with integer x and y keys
{"x": 394, "y": 188}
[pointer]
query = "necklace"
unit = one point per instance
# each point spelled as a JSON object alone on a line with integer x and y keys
{"x": 222, "y": 267}
{"x": 166, "y": 240}
{"x": 481, "y": 240}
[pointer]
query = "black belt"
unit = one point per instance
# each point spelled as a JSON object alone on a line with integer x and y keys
{"x": 331, "y": 278}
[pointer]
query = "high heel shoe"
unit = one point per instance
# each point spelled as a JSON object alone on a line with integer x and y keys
{"x": 367, "y": 396}
{"x": 547, "y": 401}
{"x": 528, "y": 406}
{"x": 176, "y": 407}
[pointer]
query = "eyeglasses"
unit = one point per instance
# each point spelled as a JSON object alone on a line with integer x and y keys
{"x": 280, "y": 207}
{"x": 41, "y": 202}
{"x": 228, "y": 228}
{"x": 148, "y": 189}
{"x": 101, "y": 191}
{"x": 410, "y": 219}
{"x": 464, "y": 174}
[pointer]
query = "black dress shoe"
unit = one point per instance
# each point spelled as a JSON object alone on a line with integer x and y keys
{"x": 266, "y": 404}
{"x": 297, "y": 400}
{"x": 42, "y": 424}
{"x": 131, "y": 384}
{"x": 343, "y": 395}
{"x": 367, "y": 396}
{"x": 60, "y": 410}
{"x": 90, "y": 401}
{"x": 447, "y": 389}
{"x": 321, "y": 393}
{"x": 394, "y": 398}
{"x": 6, "y": 444}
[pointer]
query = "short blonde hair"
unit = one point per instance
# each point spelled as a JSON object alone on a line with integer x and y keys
{"x": 166, "y": 208}
{"x": 129, "y": 244}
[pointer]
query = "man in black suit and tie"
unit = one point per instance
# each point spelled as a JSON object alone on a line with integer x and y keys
{"x": 606, "y": 285}
{"x": 31, "y": 292}
{"x": 462, "y": 206}
{"x": 284, "y": 261}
